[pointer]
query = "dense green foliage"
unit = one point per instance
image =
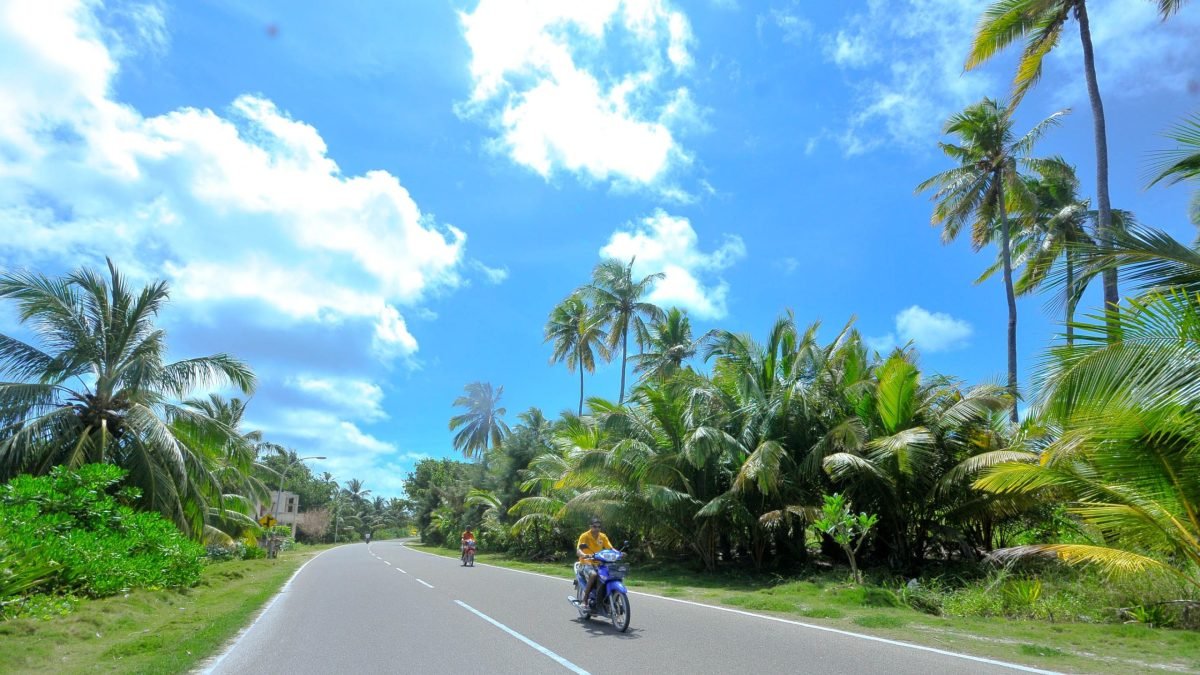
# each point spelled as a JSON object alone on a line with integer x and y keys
{"x": 97, "y": 389}
{"x": 730, "y": 468}
{"x": 76, "y": 530}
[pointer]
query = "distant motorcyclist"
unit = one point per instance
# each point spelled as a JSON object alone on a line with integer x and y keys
{"x": 591, "y": 542}
{"x": 468, "y": 539}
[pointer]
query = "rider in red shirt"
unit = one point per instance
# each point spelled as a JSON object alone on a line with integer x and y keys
{"x": 467, "y": 536}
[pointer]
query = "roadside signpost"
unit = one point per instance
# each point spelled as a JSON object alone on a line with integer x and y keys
{"x": 268, "y": 521}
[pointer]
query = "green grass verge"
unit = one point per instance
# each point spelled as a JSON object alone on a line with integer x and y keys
{"x": 149, "y": 631}
{"x": 828, "y": 600}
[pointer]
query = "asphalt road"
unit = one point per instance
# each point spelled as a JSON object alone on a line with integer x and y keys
{"x": 385, "y": 608}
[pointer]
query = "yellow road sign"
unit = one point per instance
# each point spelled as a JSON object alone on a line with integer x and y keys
{"x": 267, "y": 521}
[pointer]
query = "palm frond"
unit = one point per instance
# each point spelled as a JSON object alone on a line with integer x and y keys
{"x": 1111, "y": 561}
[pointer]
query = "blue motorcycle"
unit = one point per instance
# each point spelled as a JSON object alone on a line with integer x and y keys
{"x": 609, "y": 597}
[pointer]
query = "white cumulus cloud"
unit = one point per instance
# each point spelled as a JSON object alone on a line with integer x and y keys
{"x": 242, "y": 204}
{"x": 589, "y": 88}
{"x": 241, "y": 209}
{"x": 669, "y": 244}
{"x": 357, "y": 398}
{"x": 930, "y": 331}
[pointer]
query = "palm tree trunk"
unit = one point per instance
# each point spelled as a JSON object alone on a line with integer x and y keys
{"x": 1111, "y": 296}
{"x": 624, "y": 353}
{"x": 1070, "y": 298}
{"x": 1006, "y": 254}
{"x": 581, "y": 385}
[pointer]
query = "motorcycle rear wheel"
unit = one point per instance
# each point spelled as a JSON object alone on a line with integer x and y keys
{"x": 581, "y": 600}
{"x": 618, "y": 610}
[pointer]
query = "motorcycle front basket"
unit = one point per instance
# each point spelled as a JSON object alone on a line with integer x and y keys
{"x": 617, "y": 571}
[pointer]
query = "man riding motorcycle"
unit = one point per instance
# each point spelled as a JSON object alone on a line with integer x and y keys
{"x": 468, "y": 539}
{"x": 592, "y": 541}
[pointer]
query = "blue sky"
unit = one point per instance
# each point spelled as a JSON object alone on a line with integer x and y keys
{"x": 378, "y": 204}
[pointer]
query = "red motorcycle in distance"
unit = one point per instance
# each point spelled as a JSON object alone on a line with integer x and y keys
{"x": 468, "y": 553}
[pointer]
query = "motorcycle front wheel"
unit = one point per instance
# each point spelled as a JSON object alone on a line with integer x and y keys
{"x": 618, "y": 609}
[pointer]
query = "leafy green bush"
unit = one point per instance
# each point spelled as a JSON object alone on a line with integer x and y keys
{"x": 235, "y": 551}
{"x": 80, "y": 531}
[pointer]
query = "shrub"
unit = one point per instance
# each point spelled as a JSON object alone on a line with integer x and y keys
{"x": 1020, "y": 595}
{"x": 1155, "y": 616}
{"x": 235, "y": 551}
{"x": 81, "y": 524}
{"x": 922, "y": 598}
{"x": 494, "y": 534}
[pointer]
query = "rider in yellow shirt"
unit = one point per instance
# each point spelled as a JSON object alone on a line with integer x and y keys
{"x": 592, "y": 541}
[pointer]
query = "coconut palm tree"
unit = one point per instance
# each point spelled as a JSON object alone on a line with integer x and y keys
{"x": 976, "y": 191}
{"x": 1040, "y": 24}
{"x": 232, "y": 463}
{"x": 1055, "y": 225}
{"x": 578, "y": 335}
{"x": 1054, "y": 229}
{"x": 357, "y": 491}
{"x": 481, "y": 424}
{"x": 1183, "y": 162}
{"x": 100, "y": 391}
{"x": 548, "y": 485}
{"x": 918, "y": 432}
{"x": 618, "y": 299}
{"x": 1125, "y": 460}
{"x": 345, "y": 515}
{"x": 670, "y": 343}
{"x": 773, "y": 415}
{"x": 535, "y": 421}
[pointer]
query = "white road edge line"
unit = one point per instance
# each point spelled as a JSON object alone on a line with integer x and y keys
{"x": 422, "y": 582}
{"x": 263, "y": 612}
{"x": 897, "y": 643}
{"x": 561, "y": 661}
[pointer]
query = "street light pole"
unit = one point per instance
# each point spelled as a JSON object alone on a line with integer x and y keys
{"x": 337, "y": 514}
